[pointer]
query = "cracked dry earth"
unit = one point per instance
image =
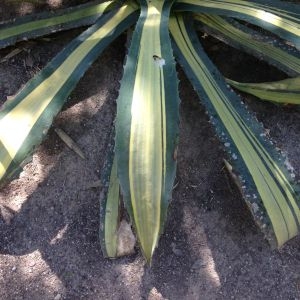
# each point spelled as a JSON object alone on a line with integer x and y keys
{"x": 211, "y": 248}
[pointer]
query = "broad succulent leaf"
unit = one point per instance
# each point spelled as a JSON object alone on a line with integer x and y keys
{"x": 143, "y": 164}
{"x": 36, "y": 25}
{"x": 110, "y": 203}
{"x": 276, "y": 16}
{"x": 266, "y": 184}
{"x": 261, "y": 45}
{"x": 285, "y": 91}
{"x": 31, "y": 113}
{"x": 147, "y": 124}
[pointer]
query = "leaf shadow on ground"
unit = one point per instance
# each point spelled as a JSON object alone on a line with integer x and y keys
{"x": 211, "y": 248}
{"x": 58, "y": 215}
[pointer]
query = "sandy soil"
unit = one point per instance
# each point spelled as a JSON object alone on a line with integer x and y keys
{"x": 211, "y": 248}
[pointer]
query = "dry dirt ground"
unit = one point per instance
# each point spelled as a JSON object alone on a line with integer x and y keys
{"x": 211, "y": 248}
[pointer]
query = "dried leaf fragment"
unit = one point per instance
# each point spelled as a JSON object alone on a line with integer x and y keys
{"x": 69, "y": 142}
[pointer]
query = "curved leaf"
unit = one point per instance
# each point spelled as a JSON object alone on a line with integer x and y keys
{"x": 262, "y": 46}
{"x": 281, "y": 18}
{"x": 267, "y": 186}
{"x": 284, "y": 91}
{"x": 25, "y": 120}
{"x": 147, "y": 124}
{"x": 32, "y": 26}
{"x": 109, "y": 205}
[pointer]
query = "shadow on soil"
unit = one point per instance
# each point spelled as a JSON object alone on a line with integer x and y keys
{"x": 210, "y": 249}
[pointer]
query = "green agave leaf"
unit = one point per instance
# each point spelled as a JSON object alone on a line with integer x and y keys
{"x": 280, "y": 18}
{"x": 147, "y": 124}
{"x": 109, "y": 205}
{"x": 25, "y": 120}
{"x": 253, "y": 42}
{"x": 284, "y": 91}
{"x": 265, "y": 182}
{"x": 32, "y": 26}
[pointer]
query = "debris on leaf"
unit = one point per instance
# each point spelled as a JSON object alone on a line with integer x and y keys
{"x": 126, "y": 240}
{"x": 159, "y": 61}
{"x": 235, "y": 178}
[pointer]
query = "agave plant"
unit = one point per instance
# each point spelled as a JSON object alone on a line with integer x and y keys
{"x": 141, "y": 163}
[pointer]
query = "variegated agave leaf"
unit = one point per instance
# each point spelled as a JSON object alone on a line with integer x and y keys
{"x": 266, "y": 184}
{"x": 147, "y": 124}
{"x": 30, "y": 114}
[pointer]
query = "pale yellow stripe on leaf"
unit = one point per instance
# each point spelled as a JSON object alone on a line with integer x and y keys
{"x": 34, "y": 25}
{"x": 16, "y": 125}
{"x": 257, "y": 169}
{"x": 112, "y": 213}
{"x": 251, "y": 9}
{"x": 145, "y": 161}
{"x": 164, "y": 126}
{"x": 287, "y": 188}
{"x": 240, "y": 36}
{"x": 283, "y": 197}
{"x": 3, "y": 167}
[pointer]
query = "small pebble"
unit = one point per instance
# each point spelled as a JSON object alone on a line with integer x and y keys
{"x": 57, "y": 297}
{"x": 175, "y": 250}
{"x": 32, "y": 263}
{"x": 199, "y": 263}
